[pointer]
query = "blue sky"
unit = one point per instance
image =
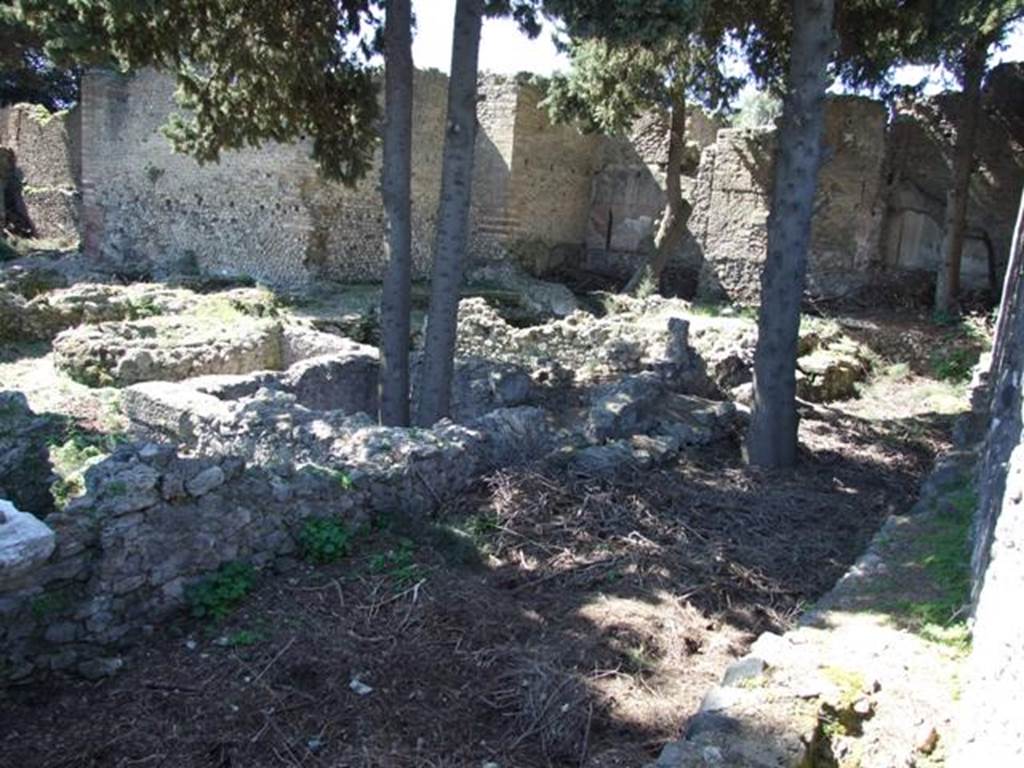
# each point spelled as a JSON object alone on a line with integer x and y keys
{"x": 504, "y": 49}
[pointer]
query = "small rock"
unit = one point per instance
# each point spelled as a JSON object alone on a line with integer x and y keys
{"x": 359, "y": 687}
{"x": 205, "y": 481}
{"x": 747, "y": 668}
{"x": 864, "y": 707}
{"x": 719, "y": 698}
{"x": 96, "y": 669}
{"x": 25, "y": 542}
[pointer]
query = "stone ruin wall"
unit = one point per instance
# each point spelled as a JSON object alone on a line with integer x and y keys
{"x": 920, "y": 159}
{"x": 548, "y": 196}
{"x": 262, "y": 213}
{"x": 734, "y": 198}
{"x": 99, "y": 575}
{"x": 40, "y": 172}
{"x": 551, "y": 171}
{"x": 265, "y": 213}
{"x": 628, "y": 195}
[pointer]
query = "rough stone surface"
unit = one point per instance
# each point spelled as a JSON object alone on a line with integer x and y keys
{"x": 480, "y": 386}
{"x": 25, "y": 543}
{"x": 167, "y": 349}
{"x": 266, "y": 213}
{"x": 991, "y": 730}
{"x": 51, "y": 312}
{"x": 921, "y": 160}
{"x": 731, "y": 221}
{"x": 31, "y": 280}
{"x": 153, "y": 520}
{"x": 637, "y": 335}
{"x": 830, "y": 374}
{"x": 542, "y": 299}
{"x": 345, "y": 379}
{"x": 47, "y": 156}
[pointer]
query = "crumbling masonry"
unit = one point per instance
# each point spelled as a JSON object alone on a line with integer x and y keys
{"x": 545, "y": 195}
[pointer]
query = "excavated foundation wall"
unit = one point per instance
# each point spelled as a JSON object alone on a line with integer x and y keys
{"x": 119, "y": 559}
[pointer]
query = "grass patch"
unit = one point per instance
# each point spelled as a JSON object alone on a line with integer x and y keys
{"x": 967, "y": 338}
{"x": 324, "y": 540}
{"x": 72, "y": 457}
{"x": 243, "y": 638}
{"x": 14, "y": 247}
{"x": 640, "y": 660}
{"x": 398, "y": 563}
{"x": 50, "y": 603}
{"x": 943, "y": 552}
{"x": 954, "y": 363}
{"x": 338, "y": 476}
{"x": 219, "y": 594}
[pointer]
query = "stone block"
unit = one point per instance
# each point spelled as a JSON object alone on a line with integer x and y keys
{"x": 171, "y": 409}
{"x": 25, "y": 543}
{"x": 345, "y": 381}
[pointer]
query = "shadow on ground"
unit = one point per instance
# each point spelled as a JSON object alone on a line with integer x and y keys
{"x": 538, "y": 620}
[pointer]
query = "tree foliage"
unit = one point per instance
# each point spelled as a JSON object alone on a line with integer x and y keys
{"x": 609, "y": 85}
{"x": 247, "y": 71}
{"x": 756, "y": 108}
{"x": 26, "y": 73}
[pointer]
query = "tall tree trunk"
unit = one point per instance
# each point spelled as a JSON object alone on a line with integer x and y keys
{"x": 772, "y": 438}
{"x": 452, "y": 216}
{"x": 647, "y": 278}
{"x": 395, "y": 302}
{"x": 947, "y": 282}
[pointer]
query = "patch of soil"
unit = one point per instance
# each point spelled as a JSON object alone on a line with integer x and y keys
{"x": 539, "y": 620}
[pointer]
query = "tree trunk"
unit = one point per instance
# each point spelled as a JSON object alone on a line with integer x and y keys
{"x": 772, "y": 438}
{"x": 947, "y": 282}
{"x": 452, "y": 216}
{"x": 395, "y": 302}
{"x": 647, "y": 278}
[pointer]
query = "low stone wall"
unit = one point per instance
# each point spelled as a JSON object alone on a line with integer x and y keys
{"x": 154, "y": 521}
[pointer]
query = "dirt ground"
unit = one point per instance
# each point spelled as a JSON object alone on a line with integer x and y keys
{"x": 540, "y": 620}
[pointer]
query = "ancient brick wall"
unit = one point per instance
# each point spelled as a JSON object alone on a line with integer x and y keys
{"x": 629, "y": 190}
{"x": 552, "y": 168}
{"x": 921, "y": 161}
{"x": 43, "y": 189}
{"x": 732, "y": 229}
{"x": 263, "y": 213}
{"x": 544, "y": 193}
